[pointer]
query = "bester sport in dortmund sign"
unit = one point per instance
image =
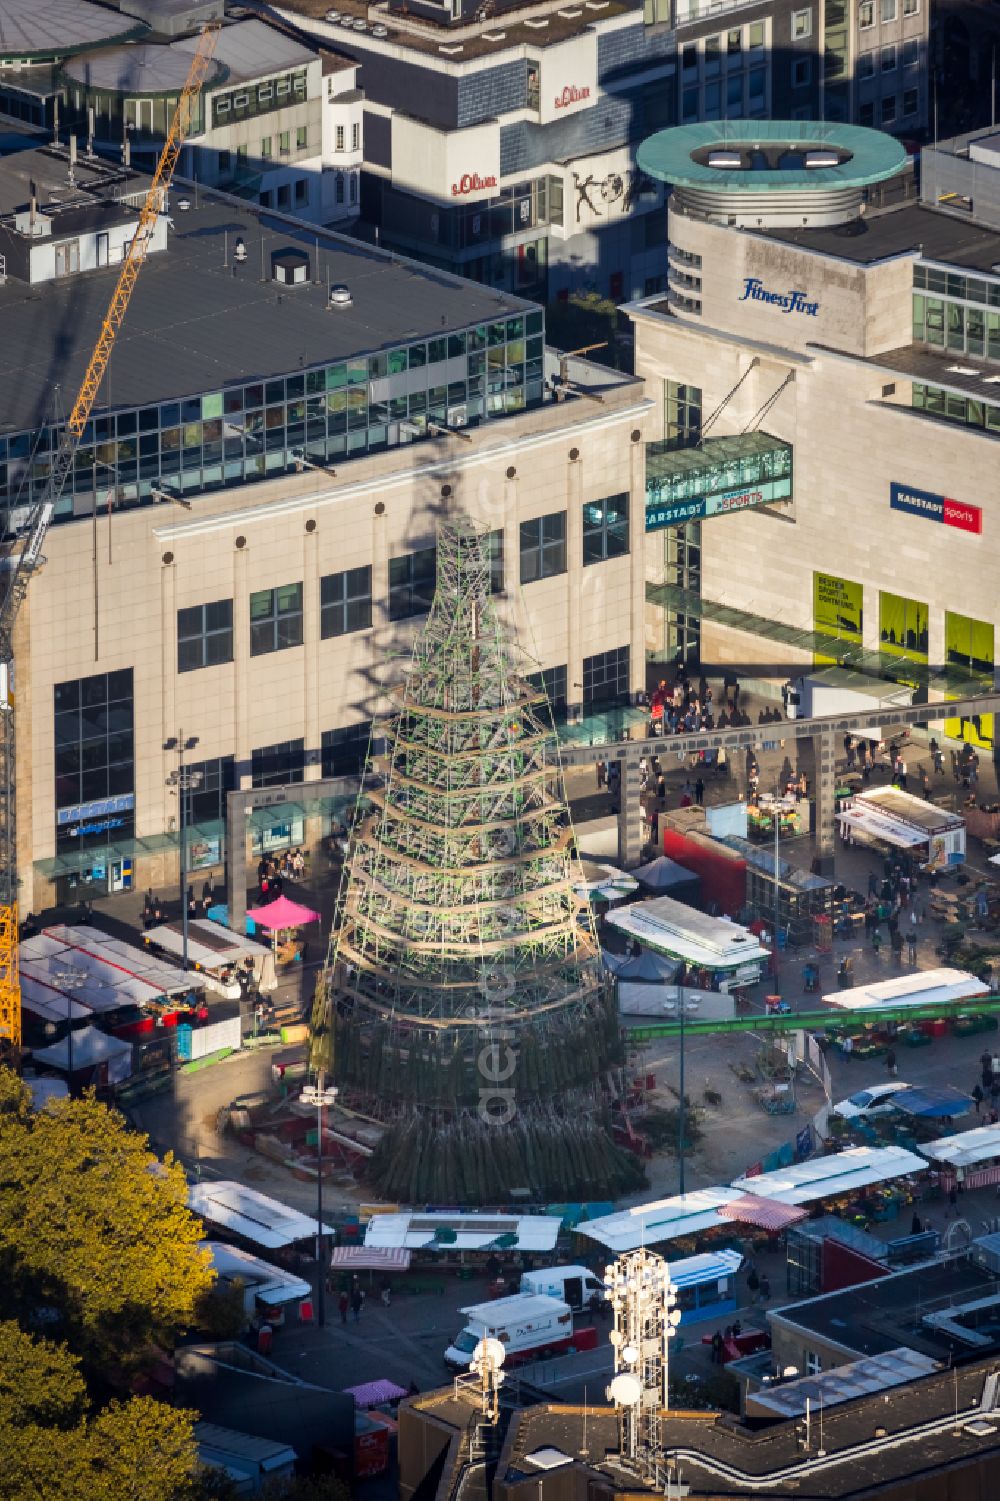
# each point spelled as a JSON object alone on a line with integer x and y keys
{"x": 675, "y": 513}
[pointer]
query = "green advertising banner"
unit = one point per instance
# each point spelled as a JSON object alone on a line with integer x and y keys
{"x": 968, "y": 644}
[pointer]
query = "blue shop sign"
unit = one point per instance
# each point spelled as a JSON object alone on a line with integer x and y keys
{"x": 101, "y": 808}
{"x": 754, "y": 290}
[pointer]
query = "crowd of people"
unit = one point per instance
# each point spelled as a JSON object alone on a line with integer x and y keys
{"x": 274, "y": 870}
{"x": 683, "y": 708}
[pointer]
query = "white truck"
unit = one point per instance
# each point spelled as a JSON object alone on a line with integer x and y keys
{"x": 528, "y": 1325}
{"x": 836, "y": 691}
{"x": 575, "y": 1285}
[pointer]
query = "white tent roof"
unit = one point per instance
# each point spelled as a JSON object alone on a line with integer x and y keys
{"x": 244, "y": 1211}
{"x": 674, "y": 928}
{"x": 474, "y": 1232}
{"x": 880, "y": 826}
{"x": 709, "y": 1266}
{"x": 826, "y": 1177}
{"x": 210, "y": 945}
{"x": 666, "y": 1219}
{"x": 966, "y": 1148}
{"x": 87, "y": 965}
{"x": 272, "y": 1284}
{"x": 926, "y": 987}
{"x": 90, "y": 1047}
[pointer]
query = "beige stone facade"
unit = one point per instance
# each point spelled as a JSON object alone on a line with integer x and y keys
{"x": 109, "y": 593}
{"x": 847, "y": 414}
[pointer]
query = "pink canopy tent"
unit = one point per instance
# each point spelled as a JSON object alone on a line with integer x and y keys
{"x": 282, "y": 913}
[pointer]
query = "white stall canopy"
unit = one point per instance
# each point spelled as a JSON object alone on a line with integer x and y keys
{"x": 829, "y": 1177}
{"x": 251, "y": 1215}
{"x": 673, "y": 928}
{"x": 966, "y": 1148}
{"x": 927, "y": 987}
{"x": 212, "y": 947}
{"x": 463, "y": 1232}
{"x": 666, "y": 1219}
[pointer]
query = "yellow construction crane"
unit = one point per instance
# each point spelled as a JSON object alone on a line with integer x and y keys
{"x": 24, "y": 549}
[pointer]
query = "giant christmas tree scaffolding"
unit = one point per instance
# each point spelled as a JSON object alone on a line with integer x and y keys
{"x": 463, "y": 1000}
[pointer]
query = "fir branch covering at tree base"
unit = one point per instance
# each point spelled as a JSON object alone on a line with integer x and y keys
{"x": 467, "y": 1160}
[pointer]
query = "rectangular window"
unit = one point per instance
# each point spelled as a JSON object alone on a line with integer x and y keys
{"x": 889, "y": 109}
{"x": 866, "y": 114}
{"x": 205, "y": 635}
{"x": 712, "y": 53}
{"x": 801, "y": 72}
{"x": 866, "y": 65}
{"x": 911, "y": 53}
{"x": 340, "y": 187}
{"x": 543, "y": 547}
{"x": 285, "y": 142}
{"x": 911, "y": 7}
{"x": 411, "y": 583}
{"x": 802, "y": 24}
{"x": 756, "y": 35}
{"x": 911, "y": 101}
{"x": 681, "y": 414}
{"x": 605, "y": 528}
{"x": 301, "y": 190}
{"x": 345, "y": 602}
{"x": 866, "y": 14}
{"x": 734, "y": 41}
{"x": 301, "y": 137}
{"x": 207, "y": 801}
{"x": 275, "y": 619}
{"x": 605, "y": 677}
{"x": 274, "y": 765}
{"x": 887, "y": 10}
{"x": 355, "y": 137}
{"x": 496, "y": 562}
{"x": 94, "y": 760}
{"x": 888, "y": 59}
{"x": 225, "y": 162}
{"x": 689, "y": 58}
{"x": 266, "y": 148}
{"x": 552, "y": 682}
{"x": 340, "y": 138}
{"x": 345, "y": 751}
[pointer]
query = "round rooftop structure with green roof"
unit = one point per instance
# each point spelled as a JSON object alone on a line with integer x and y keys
{"x": 770, "y": 174}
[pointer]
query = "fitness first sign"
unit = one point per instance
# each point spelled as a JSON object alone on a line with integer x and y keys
{"x": 754, "y": 290}
{"x": 940, "y": 508}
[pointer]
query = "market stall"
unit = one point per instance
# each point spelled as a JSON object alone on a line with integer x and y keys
{"x": 706, "y": 1284}
{"x": 766, "y": 807}
{"x": 440, "y": 1235}
{"x": 863, "y": 1180}
{"x": 717, "y": 954}
{"x": 72, "y": 971}
{"x": 89, "y": 1057}
{"x": 926, "y": 987}
{"x": 686, "y": 1217}
{"x": 267, "y": 1290}
{"x": 664, "y": 877}
{"x": 252, "y": 1216}
{"x": 283, "y": 919}
{"x": 801, "y": 896}
{"x": 218, "y": 953}
{"x": 941, "y": 1104}
{"x": 891, "y": 820}
{"x": 971, "y": 1158}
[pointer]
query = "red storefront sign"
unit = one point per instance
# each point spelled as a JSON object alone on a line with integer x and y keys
{"x": 471, "y": 182}
{"x": 571, "y": 95}
{"x": 966, "y": 518}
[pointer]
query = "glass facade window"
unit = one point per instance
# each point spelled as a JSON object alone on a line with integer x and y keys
{"x": 866, "y": 65}
{"x": 249, "y": 431}
{"x": 345, "y": 751}
{"x": 207, "y": 801}
{"x": 274, "y": 765}
{"x": 866, "y": 14}
{"x": 411, "y": 583}
{"x": 887, "y": 10}
{"x": 94, "y": 760}
{"x": 543, "y": 547}
{"x": 205, "y": 635}
{"x": 954, "y": 408}
{"x": 275, "y": 619}
{"x": 258, "y": 99}
{"x": 888, "y": 59}
{"x": 345, "y": 602}
{"x": 552, "y": 681}
{"x": 911, "y": 101}
{"x": 605, "y": 528}
{"x": 889, "y": 109}
{"x": 681, "y": 414}
{"x": 605, "y": 678}
{"x": 496, "y": 562}
{"x": 802, "y": 24}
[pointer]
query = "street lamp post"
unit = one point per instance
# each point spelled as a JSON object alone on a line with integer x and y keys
{"x": 184, "y": 779}
{"x": 318, "y": 1095}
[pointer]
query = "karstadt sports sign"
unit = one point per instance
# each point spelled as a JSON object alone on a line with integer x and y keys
{"x": 940, "y": 508}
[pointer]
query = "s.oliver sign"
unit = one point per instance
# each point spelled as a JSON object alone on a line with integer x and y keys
{"x": 471, "y": 182}
{"x": 941, "y": 508}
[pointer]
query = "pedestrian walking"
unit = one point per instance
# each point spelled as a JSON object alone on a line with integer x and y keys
{"x": 753, "y": 1284}
{"x": 890, "y": 1063}
{"x": 977, "y": 1095}
{"x": 699, "y": 792}
{"x": 717, "y": 1343}
{"x": 386, "y": 1292}
{"x": 765, "y": 1288}
{"x": 876, "y": 937}
{"x": 343, "y": 1304}
{"x": 916, "y": 1228}
{"x": 911, "y": 949}
{"x": 357, "y": 1303}
{"x": 952, "y": 1201}
{"x": 602, "y": 775}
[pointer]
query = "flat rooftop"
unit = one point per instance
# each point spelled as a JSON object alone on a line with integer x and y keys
{"x": 719, "y": 1456}
{"x": 912, "y": 229}
{"x": 26, "y": 160}
{"x": 53, "y": 28}
{"x": 197, "y": 322}
{"x": 876, "y": 1317}
{"x": 765, "y": 156}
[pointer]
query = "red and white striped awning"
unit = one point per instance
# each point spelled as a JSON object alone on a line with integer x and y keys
{"x": 371, "y": 1258}
{"x": 766, "y": 1214}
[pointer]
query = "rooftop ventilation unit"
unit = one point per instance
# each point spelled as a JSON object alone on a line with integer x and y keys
{"x": 340, "y": 296}
{"x": 290, "y": 267}
{"x": 360, "y": 24}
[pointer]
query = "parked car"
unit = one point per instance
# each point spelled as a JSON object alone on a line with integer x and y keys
{"x": 877, "y": 1099}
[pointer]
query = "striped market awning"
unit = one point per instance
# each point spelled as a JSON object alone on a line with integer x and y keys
{"x": 766, "y": 1214}
{"x": 371, "y": 1258}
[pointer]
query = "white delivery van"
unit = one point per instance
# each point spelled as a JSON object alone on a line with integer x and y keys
{"x": 837, "y": 691}
{"x": 528, "y": 1325}
{"x": 575, "y": 1285}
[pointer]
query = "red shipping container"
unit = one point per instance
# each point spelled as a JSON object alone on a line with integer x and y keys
{"x": 371, "y": 1448}
{"x": 723, "y": 873}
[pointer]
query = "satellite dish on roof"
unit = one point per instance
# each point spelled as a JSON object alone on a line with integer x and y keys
{"x": 625, "y": 1390}
{"x": 488, "y": 1352}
